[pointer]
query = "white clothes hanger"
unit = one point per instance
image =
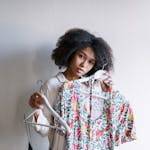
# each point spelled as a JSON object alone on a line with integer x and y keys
{"x": 53, "y": 112}
{"x": 97, "y": 75}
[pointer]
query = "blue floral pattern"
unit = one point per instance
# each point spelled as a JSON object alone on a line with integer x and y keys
{"x": 98, "y": 120}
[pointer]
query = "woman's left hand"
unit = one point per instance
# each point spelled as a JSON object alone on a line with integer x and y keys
{"x": 107, "y": 82}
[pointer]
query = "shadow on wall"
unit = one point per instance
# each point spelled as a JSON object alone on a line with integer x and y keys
{"x": 43, "y": 66}
{"x": 21, "y": 68}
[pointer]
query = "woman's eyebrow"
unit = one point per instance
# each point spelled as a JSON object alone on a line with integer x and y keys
{"x": 93, "y": 59}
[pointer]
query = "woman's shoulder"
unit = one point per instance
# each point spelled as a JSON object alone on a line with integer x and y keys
{"x": 56, "y": 80}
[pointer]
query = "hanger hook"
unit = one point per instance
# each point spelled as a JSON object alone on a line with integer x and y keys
{"x": 104, "y": 66}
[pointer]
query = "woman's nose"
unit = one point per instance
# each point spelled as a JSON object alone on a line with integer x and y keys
{"x": 83, "y": 63}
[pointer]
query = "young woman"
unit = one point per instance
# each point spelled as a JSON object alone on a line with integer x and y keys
{"x": 81, "y": 54}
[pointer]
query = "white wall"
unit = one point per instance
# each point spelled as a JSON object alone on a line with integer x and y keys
{"x": 28, "y": 32}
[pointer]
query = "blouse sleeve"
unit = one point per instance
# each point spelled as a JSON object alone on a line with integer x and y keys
{"x": 44, "y": 117}
{"x": 41, "y": 119}
{"x": 122, "y": 120}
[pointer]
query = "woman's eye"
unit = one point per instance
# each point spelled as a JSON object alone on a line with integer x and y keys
{"x": 80, "y": 55}
{"x": 91, "y": 62}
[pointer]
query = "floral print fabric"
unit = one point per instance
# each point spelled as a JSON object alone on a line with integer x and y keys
{"x": 98, "y": 120}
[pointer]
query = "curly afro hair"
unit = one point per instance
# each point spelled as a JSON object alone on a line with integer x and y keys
{"x": 77, "y": 39}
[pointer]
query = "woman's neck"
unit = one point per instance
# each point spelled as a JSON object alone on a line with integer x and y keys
{"x": 69, "y": 75}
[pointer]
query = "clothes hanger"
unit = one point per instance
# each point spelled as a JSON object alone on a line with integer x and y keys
{"x": 53, "y": 112}
{"x": 97, "y": 75}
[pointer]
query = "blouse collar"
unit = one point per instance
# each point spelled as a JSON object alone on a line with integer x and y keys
{"x": 60, "y": 76}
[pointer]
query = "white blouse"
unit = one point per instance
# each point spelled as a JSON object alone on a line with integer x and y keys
{"x": 50, "y": 88}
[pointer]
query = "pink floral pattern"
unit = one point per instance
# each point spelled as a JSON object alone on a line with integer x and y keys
{"x": 96, "y": 123}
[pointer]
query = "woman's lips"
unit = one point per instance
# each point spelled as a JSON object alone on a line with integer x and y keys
{"x": 80, "y": 70}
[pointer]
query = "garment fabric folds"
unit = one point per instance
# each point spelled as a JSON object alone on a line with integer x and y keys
{"x": 98, "y": 120}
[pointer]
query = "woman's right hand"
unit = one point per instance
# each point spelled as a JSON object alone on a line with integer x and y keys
{"x": 36, "y": 101}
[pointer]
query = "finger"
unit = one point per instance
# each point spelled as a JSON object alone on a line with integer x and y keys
{"x": 34, "y": 103}
{"x": 108, "y": 82}
{"x": 108, "y": 79}
{"x": 37, "y": 98}
{"x": 105, "y": 87}
{"x": 38, "y": 104}
{"x": 31, "y": 102}
{"x": 106, "y": 73}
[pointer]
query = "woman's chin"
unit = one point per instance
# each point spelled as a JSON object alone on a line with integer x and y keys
{"x": 79, "y": 75}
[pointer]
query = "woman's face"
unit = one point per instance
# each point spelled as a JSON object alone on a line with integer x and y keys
{"x": 82, "y": 62}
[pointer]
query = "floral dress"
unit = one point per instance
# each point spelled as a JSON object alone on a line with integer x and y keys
{"x": 98, "y": 120}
